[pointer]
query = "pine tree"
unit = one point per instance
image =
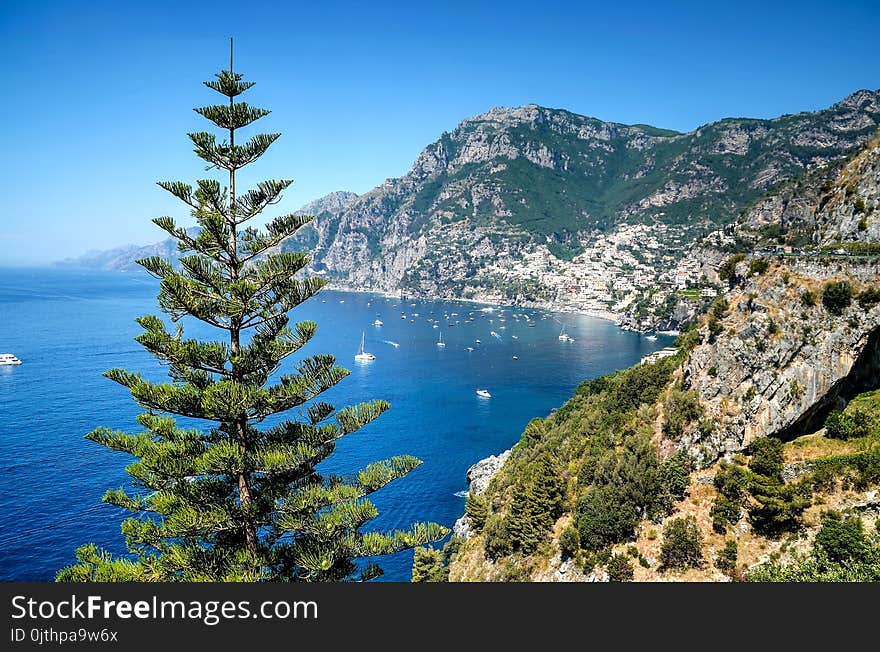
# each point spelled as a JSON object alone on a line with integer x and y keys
{"x": 236, "y": 501}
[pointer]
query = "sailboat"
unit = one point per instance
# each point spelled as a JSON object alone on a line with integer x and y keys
{"x": 440, "y": 342}
{"x": 363, "y": 356}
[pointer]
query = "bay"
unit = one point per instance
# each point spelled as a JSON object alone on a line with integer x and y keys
{"x": 68, "y": 327}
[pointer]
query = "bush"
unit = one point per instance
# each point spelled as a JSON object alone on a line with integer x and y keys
{"x": 620, "y": 569}
{"x": 869, "y": 298}
{"x": 569, "y": 542}
{"x": 758, "y": 266}
{"x": 674, "y": 478}
{"x": 808, "y": 298}
{"x": 727, "y": 558}
{"x": 766, "y": 459}
{"x": 863, "y": 223}
{"x": 681, "y": 408}
{"x": 498, "y": 540}
{"x": 778, "y": 507}
{"x": 851, "y": 424}
{"x": 477, "y": 510}
{"x": 836, "y": 296}
{"x": 428, "y": 566}
{"x": 731, "y": 481}
{"x": 712, "y": 371}
{"x": 859, "y": 207}
{"x": 727, "y": 271}
{"x": 842, "y": 538}
{"x": 682, "y": 544}
{"x": 605, "y": 516}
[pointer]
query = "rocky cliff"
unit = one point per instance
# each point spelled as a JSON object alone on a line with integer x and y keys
{"x": 782, "y": 360}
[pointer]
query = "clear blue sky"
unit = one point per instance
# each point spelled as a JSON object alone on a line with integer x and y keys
{"x": 98, "y": 95}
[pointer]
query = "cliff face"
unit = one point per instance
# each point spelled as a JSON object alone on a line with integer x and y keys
{"x": 850, "y": 212}
{"x": 780, "y": 365}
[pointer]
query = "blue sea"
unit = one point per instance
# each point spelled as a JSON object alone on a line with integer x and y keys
{"x": 68, "y": 327}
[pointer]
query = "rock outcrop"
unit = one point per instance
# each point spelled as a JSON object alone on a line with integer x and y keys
{"x": 478, "y": 476}
{"x": 782, "y": 360}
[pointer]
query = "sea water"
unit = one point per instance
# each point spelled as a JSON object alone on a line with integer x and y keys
{"x": 68, "y": 327}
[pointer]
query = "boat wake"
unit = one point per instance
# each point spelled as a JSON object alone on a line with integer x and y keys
{"x": 461, "y": 494}
{"x": 394, "y": 344}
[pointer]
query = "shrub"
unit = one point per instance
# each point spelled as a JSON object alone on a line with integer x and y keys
{"x": 841, "y": 538}
{"x": 808, "y": 298}
{"x": 605, "y": 516}
{"x": 836, "y": 296}
{"x": 731, "y": 483}
{"x": 428, "y": 566}
{"x": 766, "y": 459}
{"x": 727, "y": 558}
{"x": 682, "y": 544}
{"x": 851, "y": 424}
{"x": 778, "y": 507}
{"x": 620, "y": 569}
{"x": 712, "y": 371}
{"x": 724, "y": 512}
{"x": 498, "y": 541}
{"x": 758, "y": 266}
{"x": 569, "y": 542}
{"x": 859, "y": 207}
{"x": 772, "y": 327}
{"x": 681, "y": 408}
{"x": 863, "y": 223}
{"x": 673, "y": 477}
{"x": 869, "y": 298}
{"x": 477, "y": 510}
{"x": 727, "y": 271}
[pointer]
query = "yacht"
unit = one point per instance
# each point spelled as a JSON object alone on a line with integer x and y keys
{"x": 378, "y": 322}
{"x": 484, "y": 393}
{"x": 469, "y": 348}
{"x": 363, "y": 356}
{"x": 651, "y": 338}
{"x": 440, "y": 342}
{"x": 565, "y": 337}
{"x": 8, "y": 359}
{"x": 478, "y": 341}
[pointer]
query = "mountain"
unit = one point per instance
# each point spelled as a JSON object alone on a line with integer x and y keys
{"x": 544, "y": 207}
{"x": 123, "y": 258}
{"x": 749, "y": 454}
{"x": 511, "y": 183}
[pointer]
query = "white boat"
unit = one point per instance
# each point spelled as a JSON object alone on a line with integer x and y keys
{"x": 8, "y": 359}
{"x": 484, "y": 393}
{"x": 469, "y": 348}
{"x": 363, "y": 356}
{"x": 516, "y": 337}
{"x": 565, "y": 337}
{"x": 478, "y": 341}
{"x": 516, "y": 357}
{"x": 652, "y": 338}
{"x": 493, "y": 333}
{"x": 378, "y": 322}
{"x": 440, "y": 342}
